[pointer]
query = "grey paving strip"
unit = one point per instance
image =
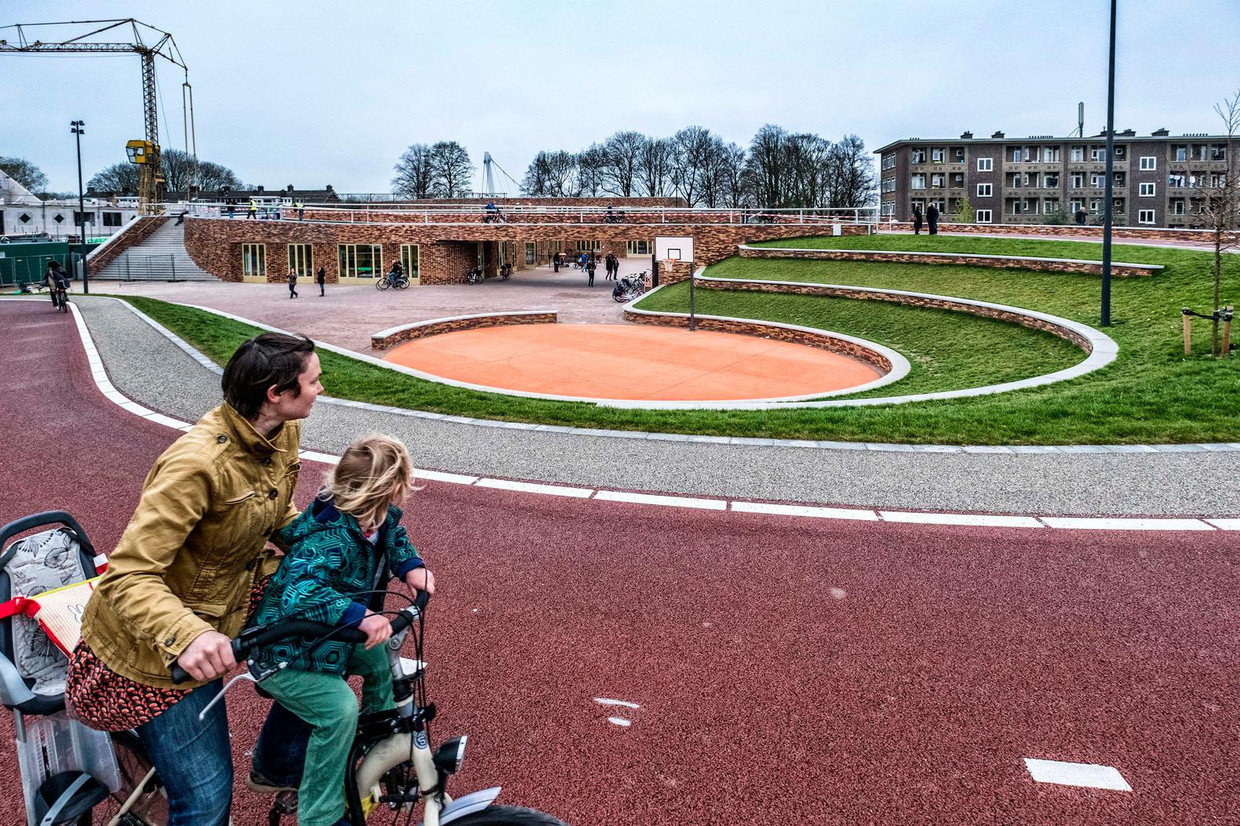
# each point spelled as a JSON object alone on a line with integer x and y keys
{"x": 148, "y": 367}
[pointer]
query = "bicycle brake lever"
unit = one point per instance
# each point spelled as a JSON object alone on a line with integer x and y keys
{"x": 245, "y": 675}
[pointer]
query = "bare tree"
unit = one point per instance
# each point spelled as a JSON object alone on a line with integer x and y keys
{"x": 732, "y": 176}
{"x": 654, "y": 166}
{"x": 177, "y": 168}
{"x": 25, "y": 173}
{"x": 691, "y": 149}
{"x": 1220, "y": 209}
{"x": 591, "y": 166}
{"x": 552, "y": 174}
{"x": 414, "y": 172}
{"x": 451, "y": 170}
{"x": 620, "y": 173}
{"x": 853, "y": 182}
{"x": 765, "y": 174}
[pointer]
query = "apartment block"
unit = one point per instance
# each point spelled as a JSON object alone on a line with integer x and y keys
{"x": 1160, "y": 180}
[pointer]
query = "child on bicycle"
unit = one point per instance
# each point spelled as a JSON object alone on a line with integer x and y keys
{"x": 332, "y": 573}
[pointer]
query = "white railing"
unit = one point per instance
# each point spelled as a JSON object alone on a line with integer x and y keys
{"x": 531, "y": 214}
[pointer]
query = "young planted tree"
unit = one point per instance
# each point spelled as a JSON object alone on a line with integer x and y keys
{"x": 965, "y": 213}
{"x": 1220, "y": 209}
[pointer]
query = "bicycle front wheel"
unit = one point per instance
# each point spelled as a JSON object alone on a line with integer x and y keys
{"x": 508, "y": 816}
{"x": 140, "y": 801}
{"x": 382, "y": 284}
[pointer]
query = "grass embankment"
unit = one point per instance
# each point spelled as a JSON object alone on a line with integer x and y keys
{"x": 1151, "y": 393}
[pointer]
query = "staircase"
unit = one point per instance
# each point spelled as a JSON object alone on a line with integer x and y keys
{"x": 161, "y": 257}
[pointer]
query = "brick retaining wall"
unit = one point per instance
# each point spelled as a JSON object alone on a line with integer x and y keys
{"x": 134, "y": 235}
{"x": 438, "y": 326}
{"x": 937, "y": 303}
{"x": 973, "y": 260}
{"x": 1164, "y": 234}
{"x": 810, "y": 338}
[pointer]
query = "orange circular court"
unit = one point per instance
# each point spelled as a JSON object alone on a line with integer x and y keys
{"x": 631, "y": 362}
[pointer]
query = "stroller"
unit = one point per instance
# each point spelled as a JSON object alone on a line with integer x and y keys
{"x": 629, "y": 287}
{"x": 67, "y": 769}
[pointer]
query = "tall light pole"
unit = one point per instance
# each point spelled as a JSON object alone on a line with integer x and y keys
{"x": 1106, "y": 224}
{"x": 77, "y": 127}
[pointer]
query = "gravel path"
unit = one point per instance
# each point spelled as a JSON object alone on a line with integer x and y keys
{"x": 149, "y": 368}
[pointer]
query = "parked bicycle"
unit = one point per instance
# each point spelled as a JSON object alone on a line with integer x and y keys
{"x": 474, "y": 276}
{"x": 395, "y": 766}
{"x": 505, "y": 271}
{"x": 629, "y": 287}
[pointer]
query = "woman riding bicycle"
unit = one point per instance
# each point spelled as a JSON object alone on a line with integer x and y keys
{"x": 395, "y": 274}
{"x": 179, "y": 584}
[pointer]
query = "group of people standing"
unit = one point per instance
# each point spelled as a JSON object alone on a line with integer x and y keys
{"x": 931, "y": 219}
{"x": 320, "y": 278}
{"x": 588, "y": 262}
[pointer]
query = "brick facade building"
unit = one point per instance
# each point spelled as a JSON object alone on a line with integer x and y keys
{"x": 1160, "y": 179}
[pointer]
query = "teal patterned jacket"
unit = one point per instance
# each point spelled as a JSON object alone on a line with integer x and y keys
{"x": 324, "y": 576}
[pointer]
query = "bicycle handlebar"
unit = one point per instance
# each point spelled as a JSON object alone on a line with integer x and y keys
{"x": 254, "y": 638}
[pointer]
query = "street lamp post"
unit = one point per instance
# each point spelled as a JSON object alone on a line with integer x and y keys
{"x": 77, "y": 127}
{"x": 1108, "y": 220}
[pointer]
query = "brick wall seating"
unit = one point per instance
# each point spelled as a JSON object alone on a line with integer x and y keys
{"x": 1020, "y": 262}
{"x": 1163, "y": 234}
{"x": 437, "y": 326}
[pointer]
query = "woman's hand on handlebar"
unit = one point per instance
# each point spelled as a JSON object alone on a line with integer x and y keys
{"x": 421, "y": 579}
{"x": 377, "y": 628}
{"x": 210, "y": 655}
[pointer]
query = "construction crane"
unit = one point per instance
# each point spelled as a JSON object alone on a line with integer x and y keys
{"x": 18, "y": 39}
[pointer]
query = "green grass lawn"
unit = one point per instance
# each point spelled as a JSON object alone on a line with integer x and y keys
{"x": 1151, "y": 393}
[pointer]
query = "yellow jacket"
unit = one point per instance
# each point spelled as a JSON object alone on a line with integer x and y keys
{"x": 195, "y": 546}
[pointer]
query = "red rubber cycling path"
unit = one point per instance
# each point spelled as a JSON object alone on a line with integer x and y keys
{"x": 805, "y": 671}
{"x": 636, "y": 362}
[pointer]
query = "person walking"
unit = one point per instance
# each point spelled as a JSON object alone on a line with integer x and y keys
{"x": 301, "y": 210}
{"x": 321, "y": 278}
{"x": 917, "y": 220}
{"x": 253, "y": 209}
{"x": 613, "y": 266}
{"x": 179, "y": 584}
{"x": 555, "y": 261}
{"x": 591, "y": 266}
{"x": 292, "y": 283}
{"x": 932, "y": 218}
{"x": 1081, "y": 215}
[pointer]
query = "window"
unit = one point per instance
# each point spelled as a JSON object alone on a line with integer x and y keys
{"x": 1120, "y": 179}
{"x": 1077, "y": 180}
{"x": 918, "y": 182}
{"x": 1075, "y": 205}
{"x": 1050, "y": 154}
{"x": 1050, "y": 180}
{"x": 1121, "y": 152}
{"x": 957, "y": 179}
{"x": 1145, "y": 216}
{"x": 254, "y": 260}
{"x": 1180, "y": 151}
{"x": 982, "y": 216}
{"x": 1117, "y": 204}
{"x": 1218, "y": 152}
{"x": 937, "y": 155}
{"x": 1050, "y": 206}
{"x": 77, "y": 218}
{"x": 1014, "y": 206}
{"x": 111, "y": 219}
{"x": 1148, "y": 162}
{"x": 985, "y": 190}
{"x": 938, "y": 181}
{"x": 1095, "y": 205}
{"x": 1016, "y": 154}
{"x": 531, "y": 253}
{"x": 1076, "y": 154}
{"x": 360, "y": 260}
{"x": 1177, "y": 206}
{"x": 301, "y": 259}
{"x": 958, "y": 154}
{"x": 410, "y": 259}
{"x": 589, "y": 246}
{"x": 643, "y": 247}
{"x": 889, "y": 210}
{"x": 1177, "y": 179}
{"x": 985, "y": 164}
{"x": 889, "y": 184}
{"x": 1098, "y": 180}
{"x": 889, "y": 161}
{"x": 917, "y": 156}
{"x": 1147, "y": 190}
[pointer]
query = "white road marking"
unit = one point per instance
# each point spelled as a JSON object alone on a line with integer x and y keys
{"x": 440, "y": 476}
{"x": 668, "y": 501}
{"x": 1124, "y": 524}
{"x": 1077, "y": 774}
{"x": 977, "y": 519}
{"x": 607, "y": 701}
{"x": 533, "y": 487}
{"x": 619, "y": 721}
{"x": 1225, "y": 524}
{"x": 315, "y": 456}
{"x": 805, "y": 510}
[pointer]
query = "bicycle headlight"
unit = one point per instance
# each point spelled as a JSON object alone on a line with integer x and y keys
{"x": 450, "y": 754}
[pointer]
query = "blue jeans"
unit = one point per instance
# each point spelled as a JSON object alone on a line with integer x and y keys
{"x": 280, "y": 753}
{"x": 194, "y": 759}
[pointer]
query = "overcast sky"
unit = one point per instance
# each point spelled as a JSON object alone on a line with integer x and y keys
{"x": 312, "y": 92}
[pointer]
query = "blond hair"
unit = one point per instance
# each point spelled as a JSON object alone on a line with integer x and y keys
{"x": 374, "y": 472}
